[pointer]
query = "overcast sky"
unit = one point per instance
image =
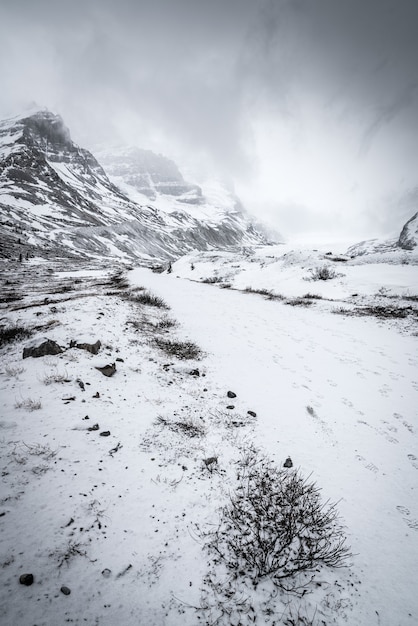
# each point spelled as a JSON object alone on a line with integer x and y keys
{"x": 310, "y": 107}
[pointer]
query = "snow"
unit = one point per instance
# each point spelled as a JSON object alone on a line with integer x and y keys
{"x": 338, "y": 394}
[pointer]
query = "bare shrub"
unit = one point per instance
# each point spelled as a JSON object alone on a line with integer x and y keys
{"x": 13, "y": 371}
{"x": 118, "y": 280}
{"x": 276, "y": 526}
{"x": 55, "y": 377}
{"x": 381, "y": 312}
{"x": 298, "y": 302}
{"x": 312, "y": 296}
{"x": 180, "y": 349}
{"x": 147, "y": 298}
{"x": 261, "y": 292}
{"x": 185, "y": 426}
{"x": 323, "y": 273}
{"x": 165, "y": 322}
{"x": 13, "y": 332}
{"x": 212, "y": 280}
{"x": 68, "y": 553}
{"x": 29, "y": 404}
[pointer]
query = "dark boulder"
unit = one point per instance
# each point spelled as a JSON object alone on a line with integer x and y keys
{"x": 93, "y": 348}
{"x": 42, "y": 347}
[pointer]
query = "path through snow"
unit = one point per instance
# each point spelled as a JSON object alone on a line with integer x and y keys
{"x": 339, "y": 395}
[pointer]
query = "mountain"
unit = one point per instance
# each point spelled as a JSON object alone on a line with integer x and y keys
{"x": 57, "y": 200}
{"x": 408, "y": 239}
{"x": 148, "y": 174}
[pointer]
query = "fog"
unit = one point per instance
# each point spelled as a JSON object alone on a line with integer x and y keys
{"x": 308, "y": 107}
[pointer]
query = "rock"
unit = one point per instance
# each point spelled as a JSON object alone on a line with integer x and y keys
{"x": 120, "y": 360}
{"x": 210, "y": 461}
{"x": 231, "y": 394}
{"x": 65, "y": 590}
{"x": 94, "y": 427}
{"x": 93, "y": 348}
{"x": 288, "y": 462}
{"x": 96, "y": 395}
{"x": 81, "y": 384}
{"x": 26, "y": 579}
{"x": 41, "y": 347}
{"x": 107, "y": 370}
{"x": 230, "y": 406}
{"x": 252, "y": 413}
{"x": 105, "y": 433}
{"x": 194, "y": 373}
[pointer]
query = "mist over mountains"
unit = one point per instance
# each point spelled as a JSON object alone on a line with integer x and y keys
{"x": 56, "y": 199}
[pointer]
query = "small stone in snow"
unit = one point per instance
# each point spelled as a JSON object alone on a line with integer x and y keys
{"x": 105, "y": 433}
{"x": 252, "y": 413}
{"x": 288, "y": 462}
{"x": 26, "y": 579}
{"x": 231, "y": 394}
{"x": 230, "y": 406}
{"x": 65, "y": 590}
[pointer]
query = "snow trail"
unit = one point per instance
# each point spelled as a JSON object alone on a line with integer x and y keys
{"x": 337, "y": 394}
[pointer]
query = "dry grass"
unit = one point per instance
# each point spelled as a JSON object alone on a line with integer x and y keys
{"x": 29, "y": 404}
{"x": 184, "y": 350}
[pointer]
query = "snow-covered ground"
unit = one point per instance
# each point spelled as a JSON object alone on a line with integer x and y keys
{"x": 119, "y": 519}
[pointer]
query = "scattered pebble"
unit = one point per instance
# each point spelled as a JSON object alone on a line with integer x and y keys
{"x": 65, "y": 590}
{"x": 26, "y": 579}
{"x": 231, "y": 394}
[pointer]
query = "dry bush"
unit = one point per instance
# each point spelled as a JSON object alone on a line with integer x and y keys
{"x": 323, "y": 273}
{"x": 261, "y": 292}
{"x": 13, "y": 371}
{"x": 184, "y": 426}
{"x": 13, "y": 332}
{"x": 312, "y": 296}
{"x": 276, "y": 526}
{"x": 212, "y": 280}
{"x": 29, "y": 404}
{"x": 55, "y": 377}
{"x": 147, "y": 298}
{"x": 180, "y": 349}
{"x": 298, "y": 302}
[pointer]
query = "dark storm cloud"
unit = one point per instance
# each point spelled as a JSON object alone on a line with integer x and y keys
{"x": 203, "y": 78}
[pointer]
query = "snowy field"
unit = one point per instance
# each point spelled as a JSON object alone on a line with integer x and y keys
{"x": 111, "y": 485}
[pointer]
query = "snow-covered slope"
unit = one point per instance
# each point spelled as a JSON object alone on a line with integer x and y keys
{"x": 111, "y": 485}
{"x": 56, "y": 200}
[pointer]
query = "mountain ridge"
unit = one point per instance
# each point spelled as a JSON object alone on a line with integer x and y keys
{"x": 57, "y": 199}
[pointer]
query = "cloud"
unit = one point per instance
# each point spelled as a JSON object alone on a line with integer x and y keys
{"x": 300, "y": 101}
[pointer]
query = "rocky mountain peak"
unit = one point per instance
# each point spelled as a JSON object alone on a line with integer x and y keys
{"x": 148, "y": 173}
{"x": 57, "y": 200}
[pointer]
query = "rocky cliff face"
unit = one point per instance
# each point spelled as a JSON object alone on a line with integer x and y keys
{"x": 57, "y": 200}
{"x": 408, "y": 239}
{"x": 149, "y": 174}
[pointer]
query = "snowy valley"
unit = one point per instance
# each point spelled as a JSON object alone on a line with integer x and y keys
{"x": 197, "y": 427}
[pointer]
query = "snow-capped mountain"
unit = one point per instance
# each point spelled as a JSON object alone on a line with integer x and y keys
{"x": 57, "y": 200}
{"x": 148, "y": 174}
